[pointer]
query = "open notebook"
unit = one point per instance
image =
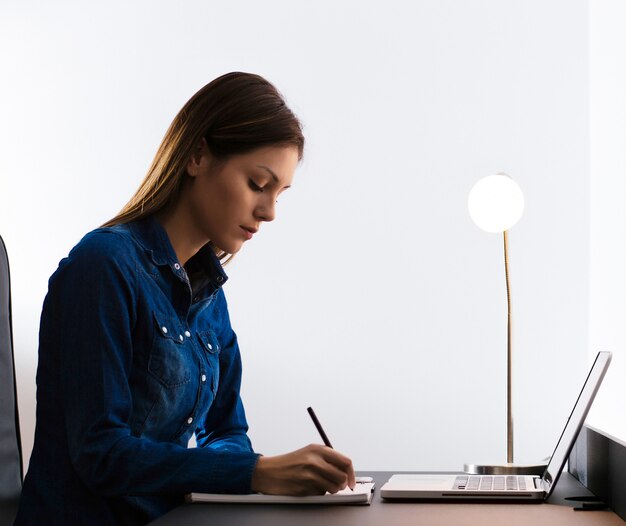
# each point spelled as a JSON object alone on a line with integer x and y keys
{"x": 362, "y": 494}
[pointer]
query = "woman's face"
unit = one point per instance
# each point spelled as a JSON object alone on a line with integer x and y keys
{"x": 230, "y": 200}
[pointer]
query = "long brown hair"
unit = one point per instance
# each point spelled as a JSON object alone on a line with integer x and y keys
{"x": 236, "y": 113}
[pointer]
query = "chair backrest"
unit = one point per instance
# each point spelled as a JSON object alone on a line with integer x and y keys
{"x": 10, "y": 443}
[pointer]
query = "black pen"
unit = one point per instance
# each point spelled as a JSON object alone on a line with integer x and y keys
{"x": 320, "y": 430}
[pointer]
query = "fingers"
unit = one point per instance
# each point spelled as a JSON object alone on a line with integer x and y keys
{"x": 336, "y": 468}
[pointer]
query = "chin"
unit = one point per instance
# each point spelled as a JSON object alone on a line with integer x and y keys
{"x": 230, "y": 248}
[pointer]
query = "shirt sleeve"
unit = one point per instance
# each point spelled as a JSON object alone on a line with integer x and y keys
{"x": 225, "y": 426}
{"x": 94, "y": 300}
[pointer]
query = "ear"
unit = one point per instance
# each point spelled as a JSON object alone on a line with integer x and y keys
{"x": 200, "y": 158}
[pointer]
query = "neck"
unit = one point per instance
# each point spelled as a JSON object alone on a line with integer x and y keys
{"x": 183, "y": 238}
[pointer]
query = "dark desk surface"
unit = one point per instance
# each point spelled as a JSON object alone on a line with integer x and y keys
{"x": 555, "y": 512}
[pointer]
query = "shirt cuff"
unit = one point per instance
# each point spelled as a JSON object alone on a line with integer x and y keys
{"x": 224, "y": 471}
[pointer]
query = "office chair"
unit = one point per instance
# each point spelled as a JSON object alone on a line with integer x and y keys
{"x": 11, "y": 474}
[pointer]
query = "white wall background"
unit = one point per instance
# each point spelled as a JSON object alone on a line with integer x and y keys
{"x": 373, "y": 297}
{"x": 608, "y": 207}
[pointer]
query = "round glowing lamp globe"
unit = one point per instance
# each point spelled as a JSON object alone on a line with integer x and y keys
{"x": 496, "y": 203}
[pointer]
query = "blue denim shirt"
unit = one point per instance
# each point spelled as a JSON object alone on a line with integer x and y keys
{"x": 136, "y": 354}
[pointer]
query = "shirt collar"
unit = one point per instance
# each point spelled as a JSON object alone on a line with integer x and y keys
{"x": 151, "y": 235}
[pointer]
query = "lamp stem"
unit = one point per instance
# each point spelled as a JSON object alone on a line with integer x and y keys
{"x": 509, "y": 357}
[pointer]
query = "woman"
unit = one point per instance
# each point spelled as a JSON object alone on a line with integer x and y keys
{"x": 136, "y": 350}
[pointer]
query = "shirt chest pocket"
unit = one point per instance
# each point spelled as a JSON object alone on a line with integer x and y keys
{"x": 171, "y": 356}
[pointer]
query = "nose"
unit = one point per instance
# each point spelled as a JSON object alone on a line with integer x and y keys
{"x": 266, "y": 211}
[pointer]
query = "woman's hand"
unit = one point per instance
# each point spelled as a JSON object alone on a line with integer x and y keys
{"x": 312, "y": 470}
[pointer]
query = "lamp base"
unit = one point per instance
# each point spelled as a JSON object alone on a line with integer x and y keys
{"x": 505, "y": 469}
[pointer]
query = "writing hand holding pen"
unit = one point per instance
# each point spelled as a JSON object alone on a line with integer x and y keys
{"x": 312, "y": 470}
{"x": 322, "y": 433}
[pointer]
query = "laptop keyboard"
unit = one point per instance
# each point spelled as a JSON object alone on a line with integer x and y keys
{"x": 490, "y": 483}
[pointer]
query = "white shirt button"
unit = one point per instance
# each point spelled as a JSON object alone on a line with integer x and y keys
{"x": 180, "y": 337}
{"x": 210, "y": 347}
{"x": 204, "y": 377}
{"x": 176, "y": 266}
{"x": 188, "y": 334}
{"x": 164, "y": 329}
{"x": 189, "y": 420}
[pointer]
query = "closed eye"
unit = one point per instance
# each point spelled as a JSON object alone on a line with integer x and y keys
{"x": 253, "y": 186}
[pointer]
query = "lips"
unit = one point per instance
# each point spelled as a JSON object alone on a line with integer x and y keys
{"x": 249, "y": 231}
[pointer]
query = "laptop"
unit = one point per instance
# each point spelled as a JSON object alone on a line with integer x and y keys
{"x": 503, "y": 488}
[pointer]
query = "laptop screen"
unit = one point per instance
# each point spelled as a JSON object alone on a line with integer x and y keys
{"x": 576, "y": 420}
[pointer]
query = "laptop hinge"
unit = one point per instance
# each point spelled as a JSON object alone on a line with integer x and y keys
{"x": 541, "y": 484}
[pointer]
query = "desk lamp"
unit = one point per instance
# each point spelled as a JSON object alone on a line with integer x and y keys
{"x": 496, "y": 204}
